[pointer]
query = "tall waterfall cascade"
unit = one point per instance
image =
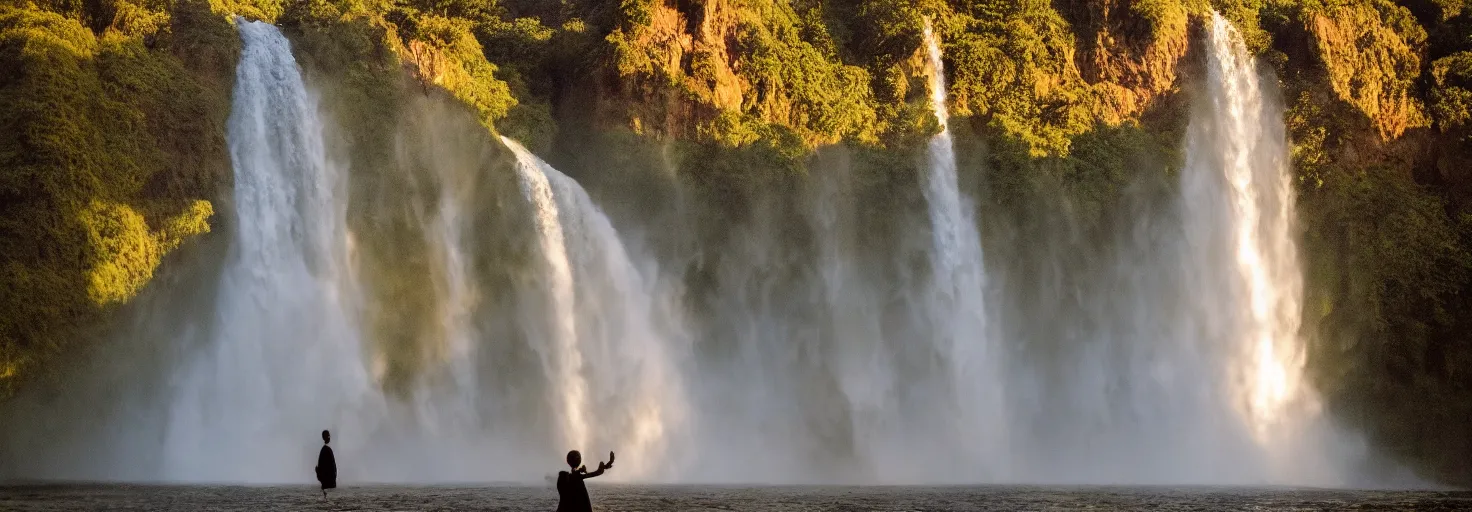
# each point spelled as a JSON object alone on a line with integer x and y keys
{"x": 284, "y": 319}
{"x": 1238, "y": 185}
{"x": 610, "y": 360}
{"x": 566, "y": 360}
{"x": 959, "y": 287}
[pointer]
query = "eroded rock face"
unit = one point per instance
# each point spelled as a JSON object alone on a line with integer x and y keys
{"x": 1372, "y": 54}
{"x": 714, "y": 70}
{"x": 652, "y": 89}
{"x": 1132, "y": 47}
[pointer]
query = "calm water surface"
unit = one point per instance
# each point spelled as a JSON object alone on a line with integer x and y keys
{"x": 54, "y": 497}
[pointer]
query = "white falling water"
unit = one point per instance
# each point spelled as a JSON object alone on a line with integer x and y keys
{"x": 565, "y": 360}
{"x": 1238, "y": 200}
{"x": 283, "y": 359}
{"x": 609, "y": 360}
{"x": 861, "y": 362}
{"x": 286, "y": 358}
{"x": 960, "y": 283}
{"x": 1182, "y": 362}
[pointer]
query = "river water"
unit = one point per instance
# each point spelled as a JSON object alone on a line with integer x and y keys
{"x": 55, "y": 497}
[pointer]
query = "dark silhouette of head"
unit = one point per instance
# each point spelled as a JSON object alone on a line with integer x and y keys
{"x": 574, "y": 459}
{"x": 326, "y": 437}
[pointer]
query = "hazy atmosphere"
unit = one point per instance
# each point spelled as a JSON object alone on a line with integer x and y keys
{"x": 764, "y": 242}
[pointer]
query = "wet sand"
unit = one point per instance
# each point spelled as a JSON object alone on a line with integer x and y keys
{"x": 57, "y": 497}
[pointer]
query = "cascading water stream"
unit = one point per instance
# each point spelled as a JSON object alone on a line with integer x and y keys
{"x": 1238, "y": 184}
{"x": 1184, "y": 357}
{"x": 565, "y": 362}
{"x": 610, "y": 362}
{"x": 960, "y": 282}
{"x": 287, "y": 358}
{"x": 284, "y": 355}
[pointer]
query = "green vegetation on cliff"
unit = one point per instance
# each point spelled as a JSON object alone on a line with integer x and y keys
{"x": 747, "y": 70}
{"x": 1380, "y": 148}
{"x": 111, "y": 151}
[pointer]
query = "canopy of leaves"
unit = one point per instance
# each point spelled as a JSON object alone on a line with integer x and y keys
{"x": 110, "y": 153}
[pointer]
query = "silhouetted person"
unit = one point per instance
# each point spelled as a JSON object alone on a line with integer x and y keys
{"x": 326, "y": 465}
{"x": 572, "y": 495}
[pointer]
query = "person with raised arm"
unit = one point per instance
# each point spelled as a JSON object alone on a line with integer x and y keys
{"x": 572, "y": 495}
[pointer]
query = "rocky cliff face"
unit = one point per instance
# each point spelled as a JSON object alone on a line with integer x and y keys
{"x": 1371, "y": 53}
{"x": 731, "y": 73}
{"x": 1133, "y": 48}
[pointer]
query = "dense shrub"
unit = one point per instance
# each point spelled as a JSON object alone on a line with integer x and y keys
{"x": 110, "y": 154}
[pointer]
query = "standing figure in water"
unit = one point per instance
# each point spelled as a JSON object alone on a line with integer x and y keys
{"x": 572, "y": 495}
{"x": 326, "y": 465}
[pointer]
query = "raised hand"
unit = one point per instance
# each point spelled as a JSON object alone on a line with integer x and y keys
{"x": 610, "y": 460}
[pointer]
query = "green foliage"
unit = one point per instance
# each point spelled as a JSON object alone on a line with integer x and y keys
{"x": 1161, "y": 18}
{"x": 1246, "y": 15}
{"x": 1432, "y": 12}
{"x": 517, "y": 41}
{"x": 436, "y": 38}
{"x": 1392, "y": 270}
{"x": 1451, "y": 92}
{"x": 796, "y": 85}
{"x": 1311, "y": 139}
{"x": 1370, "y": 51}
{"x": 446, "y": 53}
{"x": 265, "y": 10}
{"x": 1016, "y": 70}
{"x": 109, "y": 154}
{"x": 519, "y": 47}
{"x": 1043, "y": 73}
{"x": 125, "y": 251}
{"x": 636, "y": 13}
{"x": 1400, "y": 238}
{"x": 775, "y": 66}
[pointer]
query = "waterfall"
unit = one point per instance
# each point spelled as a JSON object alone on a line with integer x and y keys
{"x": 565, "y": 362}
{"x": 1237, "y": 200}
{"x": 960, "y": 282}
{"x": 290, "y": 345}
{"x": 608, "y": 356}
{"x": 286, "y": 358}
{"x": 283, "y": 359}
{"x": 1178, "y": 354}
